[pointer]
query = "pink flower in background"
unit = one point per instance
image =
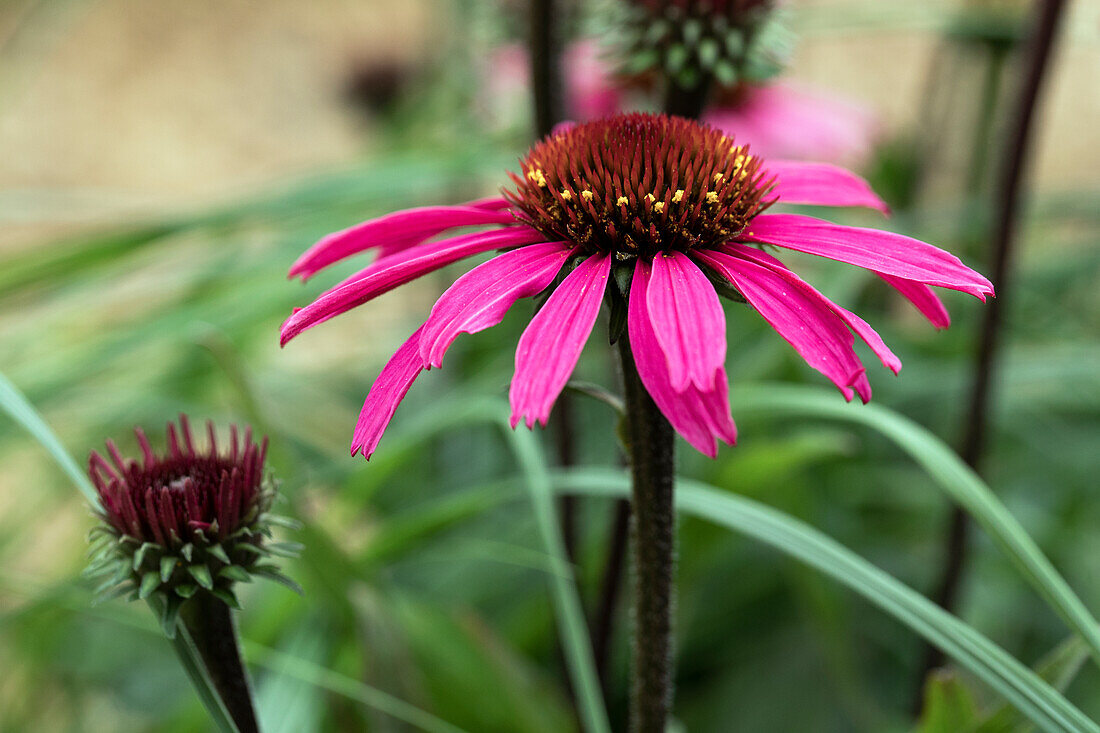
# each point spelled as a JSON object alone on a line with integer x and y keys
{"x": 792, "y": 122}
{"x": 665, "y": 204}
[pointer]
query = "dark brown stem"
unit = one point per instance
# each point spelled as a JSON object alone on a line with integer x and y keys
{"x": 210, "y": 623}
{"x": 687, "y": 101}
{"x": 1002, "y": 245}
{"x": 652, "y": 454}
{"x": 545, "y": 67}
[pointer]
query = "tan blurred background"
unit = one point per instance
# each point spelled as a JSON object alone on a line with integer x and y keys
{"x": 113, "y": 107}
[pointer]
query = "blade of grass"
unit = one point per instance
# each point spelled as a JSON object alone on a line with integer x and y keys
{"x": 1024, "y": 689}
{"x": 952, "y": 475}
{"x": 16, "y": 405}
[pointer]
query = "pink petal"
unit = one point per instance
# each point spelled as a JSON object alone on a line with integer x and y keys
{"x": 480, "y": 298}
{"x": 821, "y": 184}
{"x": 492, "y": 203}
{"x": 920, "y": 295}
{"x": 395, "y": 232}
{"x": 699, "y": 416}
{"x": 386, "y": 394}
{"x": 552, "y": 342}
{"x": 687, "y": 320}
{"x": 854, "y": 322}
{"x": 883, "y": 252}
{"x": 389, "y": 273}
{"x": 798, "y": 313}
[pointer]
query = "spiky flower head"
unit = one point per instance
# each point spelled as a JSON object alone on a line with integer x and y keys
{"x": 635, "y": 185}
{"x": 193, "y": 520}
{"x": 730, "y": 41}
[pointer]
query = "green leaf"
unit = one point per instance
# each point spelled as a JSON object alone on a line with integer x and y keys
{"x": 952, "y": 475}
{"x": 201, "y": 574}
{"x": 1024, "y": 689}
{"x": 1058, "y": 667}
{"x": 567, "y": 605}
{"x": 219, "y": 552}
{"x": 16, "y": 405}
{"x": 948, "y": 705}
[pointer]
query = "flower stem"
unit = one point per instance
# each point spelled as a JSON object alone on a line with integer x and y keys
{"x": 546, "y": 81}
{"x": 209, "y": 621}
{"x": 687, "y": 101}
{"x": 1006, "y": 211}
{"x": 653, "y": 525}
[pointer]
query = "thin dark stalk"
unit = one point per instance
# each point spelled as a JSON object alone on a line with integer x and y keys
{"x": 687, "y": 101}
{"x": 546, "y": 81}
{"x": 1002, "y": 245}
{"x": 210, "y": 624}
{"x": 652, "y": 452}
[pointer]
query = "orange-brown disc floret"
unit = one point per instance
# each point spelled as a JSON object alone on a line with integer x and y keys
{"x": 638, "y": 184}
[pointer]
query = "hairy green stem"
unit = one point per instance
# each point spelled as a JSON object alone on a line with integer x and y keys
{"x": 210, "y": 623}
{"x": 653, "y": 531}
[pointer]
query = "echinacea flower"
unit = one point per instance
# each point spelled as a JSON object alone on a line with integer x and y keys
{"x": 194, "y": 520}
{"x": 651, "y": 210}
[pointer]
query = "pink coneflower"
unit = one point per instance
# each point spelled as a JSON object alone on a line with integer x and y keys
{"x": 194, "y": 519}
{"x": 666, "y": 205}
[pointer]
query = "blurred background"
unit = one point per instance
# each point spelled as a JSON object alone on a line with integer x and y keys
{"x": 163, "y": 163}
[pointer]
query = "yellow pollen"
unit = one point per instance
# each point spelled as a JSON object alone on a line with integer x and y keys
{"x": 678, "y": 196}
{"x": 586, "y": 195}
{"x": 538, "y": 177}
{"x": 565, "y": 194}
{"x": 712, "y": 197}
{"x": 649, "y": 197}
{"x": 622, "y": 201}
{"x": 659, "y": 206}
{"x": 717, "y": 177}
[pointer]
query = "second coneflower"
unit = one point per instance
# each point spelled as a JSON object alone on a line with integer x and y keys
{"x": 657, "y": 213}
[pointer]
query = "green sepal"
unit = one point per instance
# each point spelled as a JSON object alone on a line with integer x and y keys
{"x": 187, "y": 551}
{"x": 285, "y": 549}
{"x": 616, "y": 325}
{"x": 708, "y": 53}
{"x": 219, "y": 552}
{"x": 104, "y": 566}
{"x": 167, "y": 566}
{"x": 139, "y": 556}
{"x": 676, "y": 58}
{"x": 280, "y": 521}
{"x": 201, "y": 574}
{"x": 113, "y": 593}
{"x": 186, "y": 590}
{"x": 735, "y": 43}
{"x": 235, "y": 573}
{"x": 257, "y": 550}
{"x": 692, "y": 30}
{"x": 642, "y": 61}
{"x": 725, "y": 73}
{"x": 272, "y": 573}
{"x": 150, "y": 581}
{"x": 227, "y": 597}
{"x": 170, "y": 616}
